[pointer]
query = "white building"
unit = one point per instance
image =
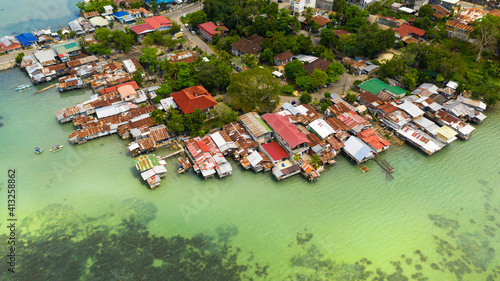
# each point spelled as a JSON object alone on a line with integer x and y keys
{"x": 298, "y": 6}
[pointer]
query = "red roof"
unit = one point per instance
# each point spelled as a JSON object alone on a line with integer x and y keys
{"x": 115, "y": 88}
{"x": 406, "y": 29}
{"x": 12, "y": 46}
{"x": 158, "y": 21}
{"x": 275, "y": 151}
{"x": 289, "y": 132}
{"x": 209, "y": 28}
{"x": 370, "y": 137}
{"x": 192, "y": 98}
{"x": 142, "y": 28}
{"x": 203, "y": 146}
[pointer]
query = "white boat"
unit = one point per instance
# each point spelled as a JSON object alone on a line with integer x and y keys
{"x": 38, "y": 150}
{"x": 23, "y": 87}
{"x": 56, "y": 148}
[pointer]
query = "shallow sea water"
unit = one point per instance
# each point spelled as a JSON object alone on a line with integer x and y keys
{"x": 438, "y": 219}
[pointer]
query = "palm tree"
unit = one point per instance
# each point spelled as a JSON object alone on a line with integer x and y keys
{"x": 308, "y": 15}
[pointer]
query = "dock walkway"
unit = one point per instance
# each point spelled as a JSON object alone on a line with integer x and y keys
{"x": 386, "y": 166}
{"x": 173, "y": 154}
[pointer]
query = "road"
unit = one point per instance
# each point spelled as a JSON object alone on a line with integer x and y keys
{"x": 196, "y": 40}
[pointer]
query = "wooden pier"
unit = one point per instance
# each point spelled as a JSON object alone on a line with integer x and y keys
{"x": 173, "y": 154}
{"x": 386, "y": 166}
{"x": 45, "y": 89}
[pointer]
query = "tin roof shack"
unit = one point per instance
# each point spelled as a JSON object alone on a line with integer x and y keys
{"x": 446, "y": 134}
{"x": 83, "y": 135}
{"x": 152, "y": 169}
{"x": 10, "y": 44}
{"x": 258, "y": 161}
{"x": 370, "y": 100}
{"x": 427, "y": 125}
{"x": 135, "y": 123}
{"x": 104, "y": 80}
{"x": 463, "y": 112}
{"x": 371, "y": 138}
{"x": 358, "y": 150}
{"x": 132, "y": 65}
{"x": 475, "y": 104}
{"x": 464, "y": 130}
{"x": 340, "y": 128}
{"x": 308, "y": 170}
{"x": 287, "y": 134}
{"x": 321, "y": 128}
{"x": 428, "y": 105}
{"x": 355, "y": 122}
{"x": 223, "y": 142}
{"x": 68, "y": 83}
{"x": 420, "y": 139}
{"x": 241, "y": 138}
{"x": 396, "y": 119}
{"x": 285, "y": 169}
{"x": 323, "y": 149}
{"x": 411, "y": 109}
{"x": 199, "y": 154}
{"x": 46, "y": 57}
{"x": 256, "y": 127}
{"x": 456, "y": 29}
{"x": 185, "y": 56}
{"x": 148, "y": 139}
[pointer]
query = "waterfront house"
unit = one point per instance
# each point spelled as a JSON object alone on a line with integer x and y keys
{"x": 475, "y": 104}
{"x": 274, "y": 151}
{"x": 207, "y": 158}
{"x": 193, "y": 98}
{"x": 258, "y": 161}
{"x": 76, "y": 27}
{"x": 427, "y": 125}
{"x": 123, "y": 17}
{"x": 464, "y": 130}
{"x": 90, "y": 15}
{"x": 241, "y": 138}
{"x": 324, "y": 149}
{"x": 223, "y": 142}
{"x": 258, "y": 129}
{"x": 99, "y": 22}
{"x": 112, "y": 110}
{"x": 207, "y": 31}
{"x": 250, "y": 46}
{"x": 287, "y": 134}
{"x": 152, "y": 169}
{"x": 283, "y": 58}
{"x": 159, "y": 23}
{"x": 141, "y": 121}
{"x": 115, "y": 88}
{"x": 355, "y": 122}
{"x": 358, "y": 150}
{"x": 68, "y": 83}
{"x": 321, "y": 128}
{"x": 418, "y": 138}
{"x": 10, "y": 44}
{"x": 463, "y": 112}
{"x": 411, "y": 109}
{"x": 46, "y": 57}
{"x": 373, "y": 140}
{"x": 396, "y": 119}
{"x": 127, "y": 93}
{"x": 446, "y": 134}
{"x": 26, "y": 39}
{"x": 427, "y": 104}
{"x": 83, "y": 135}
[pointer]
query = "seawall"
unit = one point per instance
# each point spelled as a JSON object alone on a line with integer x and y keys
{"x": 7, "y": 65}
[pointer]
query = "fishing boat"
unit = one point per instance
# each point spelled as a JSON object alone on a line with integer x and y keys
{"x": 38, "y": 150}
{"x": 23, "y": 87}
{"x": 56, "y": 148}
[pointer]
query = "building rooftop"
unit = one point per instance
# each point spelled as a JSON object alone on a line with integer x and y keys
{"x": 158, "y": 21}
{"x": 192, "y": 98}
{"x": 209, "y": 28}
{"x": 374, "y": 86}
{"x": 275, "y": 151}
{"x": 286, "y": 130}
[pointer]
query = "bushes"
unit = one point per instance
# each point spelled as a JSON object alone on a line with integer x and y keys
{"x": 305, "y": 98}
{"x": 19, "y": 57}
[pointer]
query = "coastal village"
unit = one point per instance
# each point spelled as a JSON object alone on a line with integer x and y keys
{"x": 281, "y": 118}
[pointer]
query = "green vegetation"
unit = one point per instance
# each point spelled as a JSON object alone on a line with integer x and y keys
{"x": 108, "y": 39}
{"x": 305, "y": 97}
{"x": 195, "y": 19}
{"x": 158, "y": 115}
{"x": 255, "y": 89}
{"x": 137, "y": 77}
{"x": 191, "y": 122}
{"x": 223, "y": 114}
{"x": 96, "y": 5}
{"x": 19, "y": 57}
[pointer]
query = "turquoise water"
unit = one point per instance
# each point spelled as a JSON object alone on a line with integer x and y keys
{"x": 28, "y": 15}
{"x": 439, "y": 217}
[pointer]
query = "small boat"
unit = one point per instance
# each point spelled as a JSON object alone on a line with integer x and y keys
{"x": 23, "y": 87}
{"x": 38, "y": 150}
{"x": 56, "y": 148}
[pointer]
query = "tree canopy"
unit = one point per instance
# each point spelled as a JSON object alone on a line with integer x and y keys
{"x": 255, "y": 89}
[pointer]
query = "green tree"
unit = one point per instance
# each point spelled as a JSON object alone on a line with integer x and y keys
{"x": 250, "y": 60}
{"x": 486, "y": 32}
{"x": 158, "y": 115}
{"x": 304, "y": 82}
{"x": 339, "y": 6}
{"x": 254, "y": 89}
{"x": 175, "y": 122}
{"x": 410, "y": 79}
{"x": 426, "y": 11}
{"x": 122, "y": 40}
{"x": 197, "y": 18}
{"x": 223, "y": 114}
{"x": 111, "y": 25}
{"x": 333, "y": 71}
{"x": 294, "y": 69}
{"x": 215, "y": 74}
{"x": 305, "y": 97}
{"x": 318, "y": 78}
{"x": 102, "y": 35}
{"x": 267, "y": 56}
{"x": 287, "y": 89}
{"x": 98, "y": 49}
{"x": 351, "y": 97}
{"x": 148, "y": 57}
{"x": 137, "y": 77}
{"x": 186, "y": 76}
{"x": 328, "y": 38}
{"x": 19, "y": 57}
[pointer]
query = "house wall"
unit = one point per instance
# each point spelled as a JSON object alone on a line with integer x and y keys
{"x": 205, "y": 36}
{"x": 387, "y": 22}
{"x": 458, "y": 33}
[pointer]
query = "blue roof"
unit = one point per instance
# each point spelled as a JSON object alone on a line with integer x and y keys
{"x": 162, "y": 1}
{"x": 26, "y": 39}
{"x": 121, "y": 14}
